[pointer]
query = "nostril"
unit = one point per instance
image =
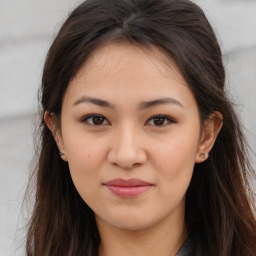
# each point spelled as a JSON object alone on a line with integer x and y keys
{"x": 127, "y": 160}
{"x": 127, "y": 150}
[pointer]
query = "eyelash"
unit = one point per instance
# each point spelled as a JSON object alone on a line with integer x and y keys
{"x": 163, "y": 117}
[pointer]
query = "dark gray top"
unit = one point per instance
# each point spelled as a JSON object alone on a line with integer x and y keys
{"x": 186, "y": 249}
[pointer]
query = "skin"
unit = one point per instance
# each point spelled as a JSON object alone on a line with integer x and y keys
{"x": 129, "y": 143}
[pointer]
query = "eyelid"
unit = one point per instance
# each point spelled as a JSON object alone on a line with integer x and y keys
{"x": 85, "y": 118}
{"x": 161, "y": 116}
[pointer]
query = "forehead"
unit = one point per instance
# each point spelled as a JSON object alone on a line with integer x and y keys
{"x": 114, "y": 57}
{"x": 126, "y": 71}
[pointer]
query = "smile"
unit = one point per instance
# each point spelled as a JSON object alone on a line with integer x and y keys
{"x": 128, "y": 188}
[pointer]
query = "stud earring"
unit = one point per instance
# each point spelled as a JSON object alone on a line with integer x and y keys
{"x": 61, "y": 154}
{"x": 204, "y": 155}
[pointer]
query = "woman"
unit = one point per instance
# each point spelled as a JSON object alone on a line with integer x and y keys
{"x": 141, "y": 151}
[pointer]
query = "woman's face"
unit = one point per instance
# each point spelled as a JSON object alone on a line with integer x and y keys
{"x": 130, "y": 131}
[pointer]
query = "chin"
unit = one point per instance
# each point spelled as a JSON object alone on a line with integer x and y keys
{"x": 132, "y": 226}
{"x": 132, "y": 222}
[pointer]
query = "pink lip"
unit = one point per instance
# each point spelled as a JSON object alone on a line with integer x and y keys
{"x": 128, "y": 188}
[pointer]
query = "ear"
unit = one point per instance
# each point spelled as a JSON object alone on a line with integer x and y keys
{"x": 51, "y": 123}
{"x": 209, "y": 133}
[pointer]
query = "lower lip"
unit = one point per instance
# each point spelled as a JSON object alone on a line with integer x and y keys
{"x": 128, "y": 192}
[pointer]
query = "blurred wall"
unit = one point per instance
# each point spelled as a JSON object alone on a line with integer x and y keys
{"x": 26, "y": 30}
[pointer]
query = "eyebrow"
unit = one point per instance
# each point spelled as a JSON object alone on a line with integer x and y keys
{"x": 95, "y": 101}
{"x": 142, "y": 105}
{"x": 148, "y": 104}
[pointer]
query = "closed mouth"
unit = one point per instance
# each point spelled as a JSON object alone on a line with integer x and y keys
{"x": 128, "y": 188}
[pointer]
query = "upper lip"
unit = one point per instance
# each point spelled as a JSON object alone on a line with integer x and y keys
{"x": 127, "y": 183}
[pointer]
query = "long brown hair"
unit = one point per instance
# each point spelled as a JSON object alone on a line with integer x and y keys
{"x": 219, "y": 202}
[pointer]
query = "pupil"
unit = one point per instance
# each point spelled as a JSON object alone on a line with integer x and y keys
{"x": 97, "y": 120}
{"x": 159, "y": 121}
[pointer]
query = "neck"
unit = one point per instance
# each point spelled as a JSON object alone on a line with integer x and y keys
{"x": 164, "y": 239}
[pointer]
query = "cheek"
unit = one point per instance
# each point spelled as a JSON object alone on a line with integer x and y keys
{"x": 176, "y": 168}
{"x": 176, "y": 154}
{"x": 175, "y": 163}
{"x": 85, "y": 160}
{"x": 83, "y": 151}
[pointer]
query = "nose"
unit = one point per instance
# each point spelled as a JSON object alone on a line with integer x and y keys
{"x": 127, "y": 149}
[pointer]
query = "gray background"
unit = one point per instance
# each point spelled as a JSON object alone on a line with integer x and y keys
{"x": 26, "y": 30}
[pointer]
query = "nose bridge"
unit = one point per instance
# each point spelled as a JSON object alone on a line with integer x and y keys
{"x": 126, "y": 135}
{"x": 127, "y": 149}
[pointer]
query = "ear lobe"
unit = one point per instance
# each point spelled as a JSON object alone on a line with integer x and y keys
{"x": 51, "y": 123}
{"x": 211, "y": 129}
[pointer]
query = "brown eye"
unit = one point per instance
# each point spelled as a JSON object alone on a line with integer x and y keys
{"x": 95, "y": 120}
{"x": 160, "y": 120}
